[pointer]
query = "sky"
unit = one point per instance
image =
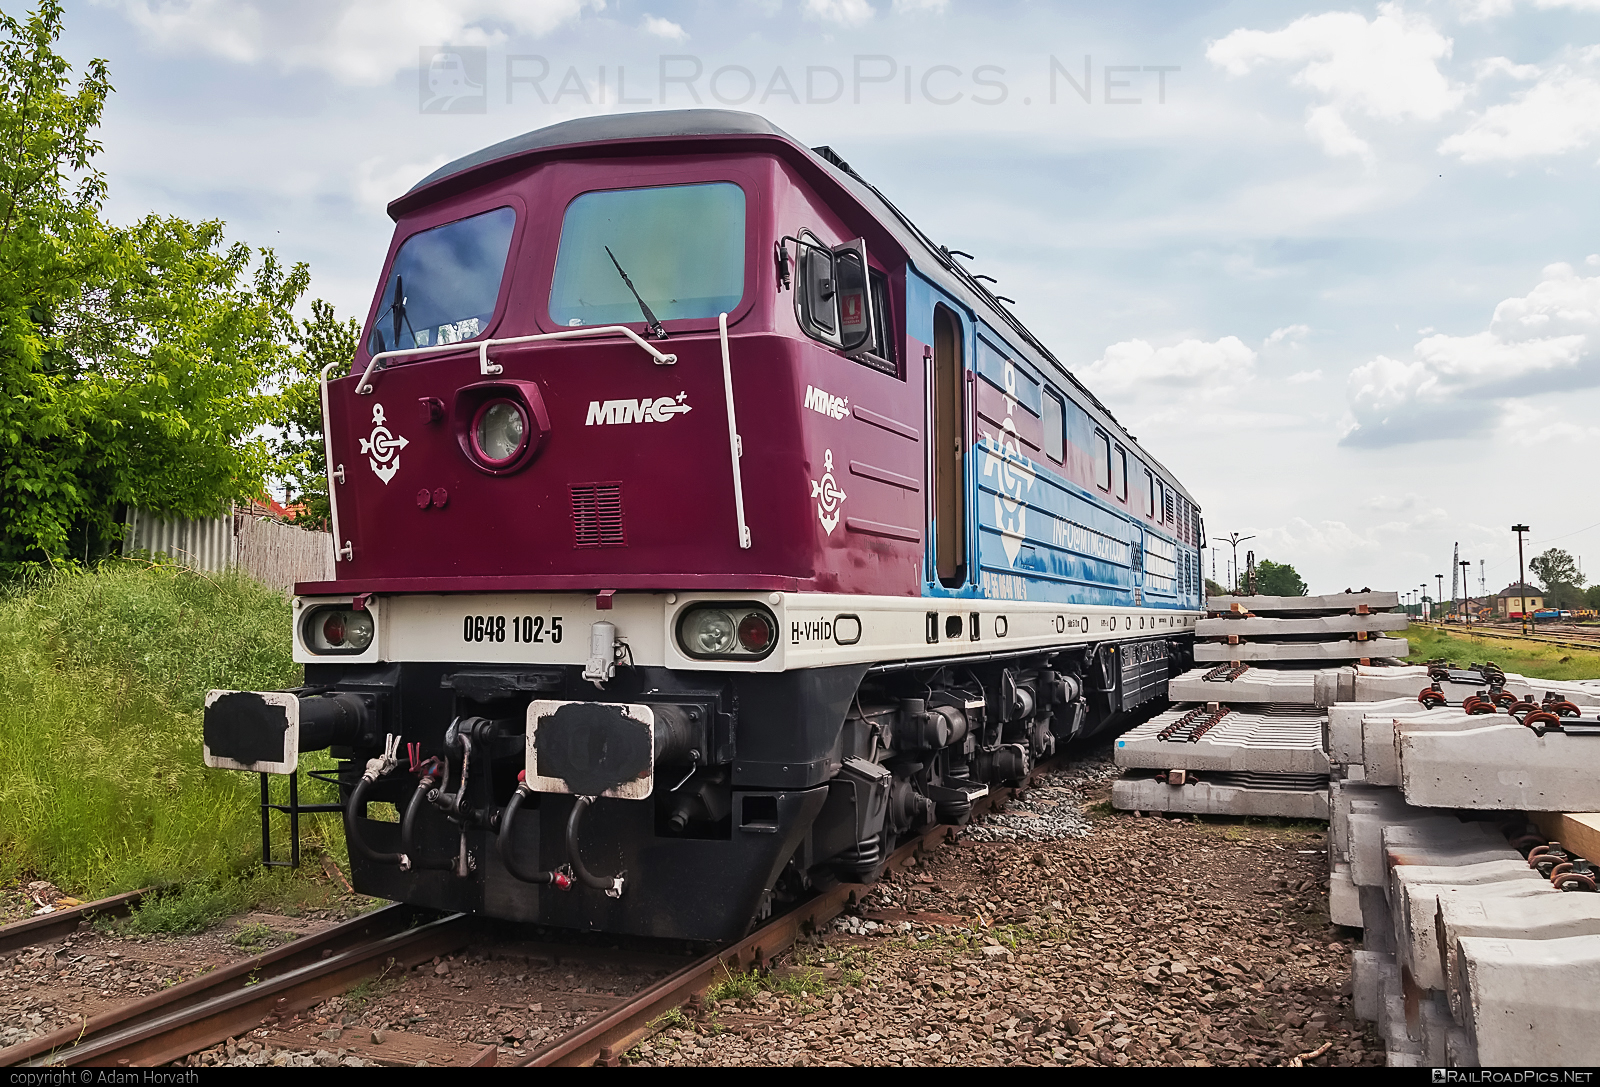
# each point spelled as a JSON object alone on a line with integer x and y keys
{"x": 1338, "y": 267}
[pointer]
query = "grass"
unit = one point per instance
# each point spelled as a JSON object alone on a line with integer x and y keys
{"x": 1536, "y": 660}
{"x": 100, "y": 707}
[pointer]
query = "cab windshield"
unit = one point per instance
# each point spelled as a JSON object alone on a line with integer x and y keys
{"x": 682, "y": 246}
{"x": 444, "y": 283}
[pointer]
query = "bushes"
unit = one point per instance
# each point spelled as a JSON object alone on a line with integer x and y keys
{"x": 101, "y": 780}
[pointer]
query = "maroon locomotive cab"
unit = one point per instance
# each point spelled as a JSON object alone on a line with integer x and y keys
{"x": 630, "y": 493}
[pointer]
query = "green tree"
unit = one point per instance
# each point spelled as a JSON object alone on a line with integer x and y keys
{"x": 1558, "y": 573}
{"x": 301, "y": 466}
{"x": 1273, "y": 579}
{"x": 1213, "y": 589}
{"x": 1591, "y": 597}
{"x": 135, "y": 362}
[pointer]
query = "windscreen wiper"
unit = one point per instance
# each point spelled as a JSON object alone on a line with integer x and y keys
{"x": 650, "y": 319}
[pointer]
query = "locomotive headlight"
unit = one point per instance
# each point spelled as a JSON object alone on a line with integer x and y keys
{"x": 727, "y": 631}
{"x": 499, "y": 431}
{"x": 708, "y": 632}
{"x": 338, "y": 630}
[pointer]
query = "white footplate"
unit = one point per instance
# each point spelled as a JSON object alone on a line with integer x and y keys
{"x": 591, "y": 748}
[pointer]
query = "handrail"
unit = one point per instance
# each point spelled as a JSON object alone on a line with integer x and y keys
{"x": 344, "y": 550}
{"x": 735, "y": 443}
{"x": 365, "y": 386}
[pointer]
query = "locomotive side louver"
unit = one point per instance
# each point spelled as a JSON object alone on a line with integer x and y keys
{"x": 597, "y": 515}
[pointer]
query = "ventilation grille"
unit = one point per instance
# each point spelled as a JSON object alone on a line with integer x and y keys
{"x": 597, "y": 515}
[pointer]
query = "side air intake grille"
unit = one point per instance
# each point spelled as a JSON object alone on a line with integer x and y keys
{"x": 597, "y": 515}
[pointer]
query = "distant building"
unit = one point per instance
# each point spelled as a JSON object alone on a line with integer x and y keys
{"x": 1519, "y": 598}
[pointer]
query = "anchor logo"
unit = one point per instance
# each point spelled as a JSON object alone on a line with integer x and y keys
{"x": 828, "y": 495}
{"x": 383, "y": 447}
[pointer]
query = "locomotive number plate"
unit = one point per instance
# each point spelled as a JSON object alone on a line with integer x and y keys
{"x": 529, "y": 629}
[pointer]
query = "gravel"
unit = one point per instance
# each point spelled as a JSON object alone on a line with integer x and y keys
{"x": 1055, "y": 932}
{"x": 1052, "y": 810}
{"x": 1115, "y": 940}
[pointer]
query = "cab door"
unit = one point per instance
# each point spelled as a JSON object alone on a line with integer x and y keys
{"x": 949, "y": 399}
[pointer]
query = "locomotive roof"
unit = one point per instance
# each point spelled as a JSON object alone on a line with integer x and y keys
{"x": 659, "y": 125}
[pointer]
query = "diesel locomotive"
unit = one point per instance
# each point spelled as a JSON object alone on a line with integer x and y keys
{"x": 702, "y": 527}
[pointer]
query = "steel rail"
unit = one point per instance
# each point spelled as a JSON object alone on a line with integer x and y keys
{"x": 38, "y": 930}
{"x": 289, "y": 956}
{"x": 1543, "y": 639}
{"x": 606, "y": 1039}
{"x": 172, "y": 1025}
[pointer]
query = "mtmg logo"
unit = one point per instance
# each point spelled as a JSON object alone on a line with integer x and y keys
{"x": 453, "y": 79}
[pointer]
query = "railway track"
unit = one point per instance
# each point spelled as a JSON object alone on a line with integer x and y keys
{"x": 274, "y": 987}
{"x": 41, "y": 929}
{"x": 1577, "y": 642}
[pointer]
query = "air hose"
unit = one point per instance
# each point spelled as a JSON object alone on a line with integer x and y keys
{"x": 560, "y": 880}
{"x": 612, "y": 886}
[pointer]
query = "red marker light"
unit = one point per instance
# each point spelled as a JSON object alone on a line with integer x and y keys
{"x": 755, "y": 632}
{"x": 333, "y": 628}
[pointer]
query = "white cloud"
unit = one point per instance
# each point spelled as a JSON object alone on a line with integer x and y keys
{"x": 362, "y": 42}
{"x": 1529, "y": 425}
{"x": 1545, "y": 340}
{"x": 1384, "y": 503}
{"x": 665, "y": 28}
{"x": 1305, "y": 377}
{"x": 379, "y": 181}
{"x": 1288, "y": 332}
{"x": 1559, "y": 113}
{"x": 1489, "y": 9}
{"x": 1386, "y": 68}
{"x": 1135, "y": 364}
{"x": 917, "y": 7}
{"x": 1329, "y": 128}
{"x": 843, "y": 12}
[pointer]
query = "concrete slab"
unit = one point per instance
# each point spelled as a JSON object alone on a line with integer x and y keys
{"x": 1344, "y": 726}
{"x": 1501, "y": 766}
{"x": 1546, "y": 915}
{"x": 1366, "y": 982}
{"x": 1344, "y": 904}
{"x": 1414, "y": 896}
{"x": 1331, "y": 604}
{"x": 1434, "y": 1028}
{"x": 1252, "y": 686}
{"x": 1533, "y": 1002}
{"x": 1207, "y": 798}
{"x": 1379, "y": 760}
{"x": 1262, "y": 626}
{"x": 1301, "y": 651}
{"x": 1285, "y": 742}
{"x": 1443, "y": 845}
{"x": 1367, "y": 822}
{"x": 1373, "y": 683}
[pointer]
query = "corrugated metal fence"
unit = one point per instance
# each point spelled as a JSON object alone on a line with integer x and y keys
{"x": 270, "y": 551}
